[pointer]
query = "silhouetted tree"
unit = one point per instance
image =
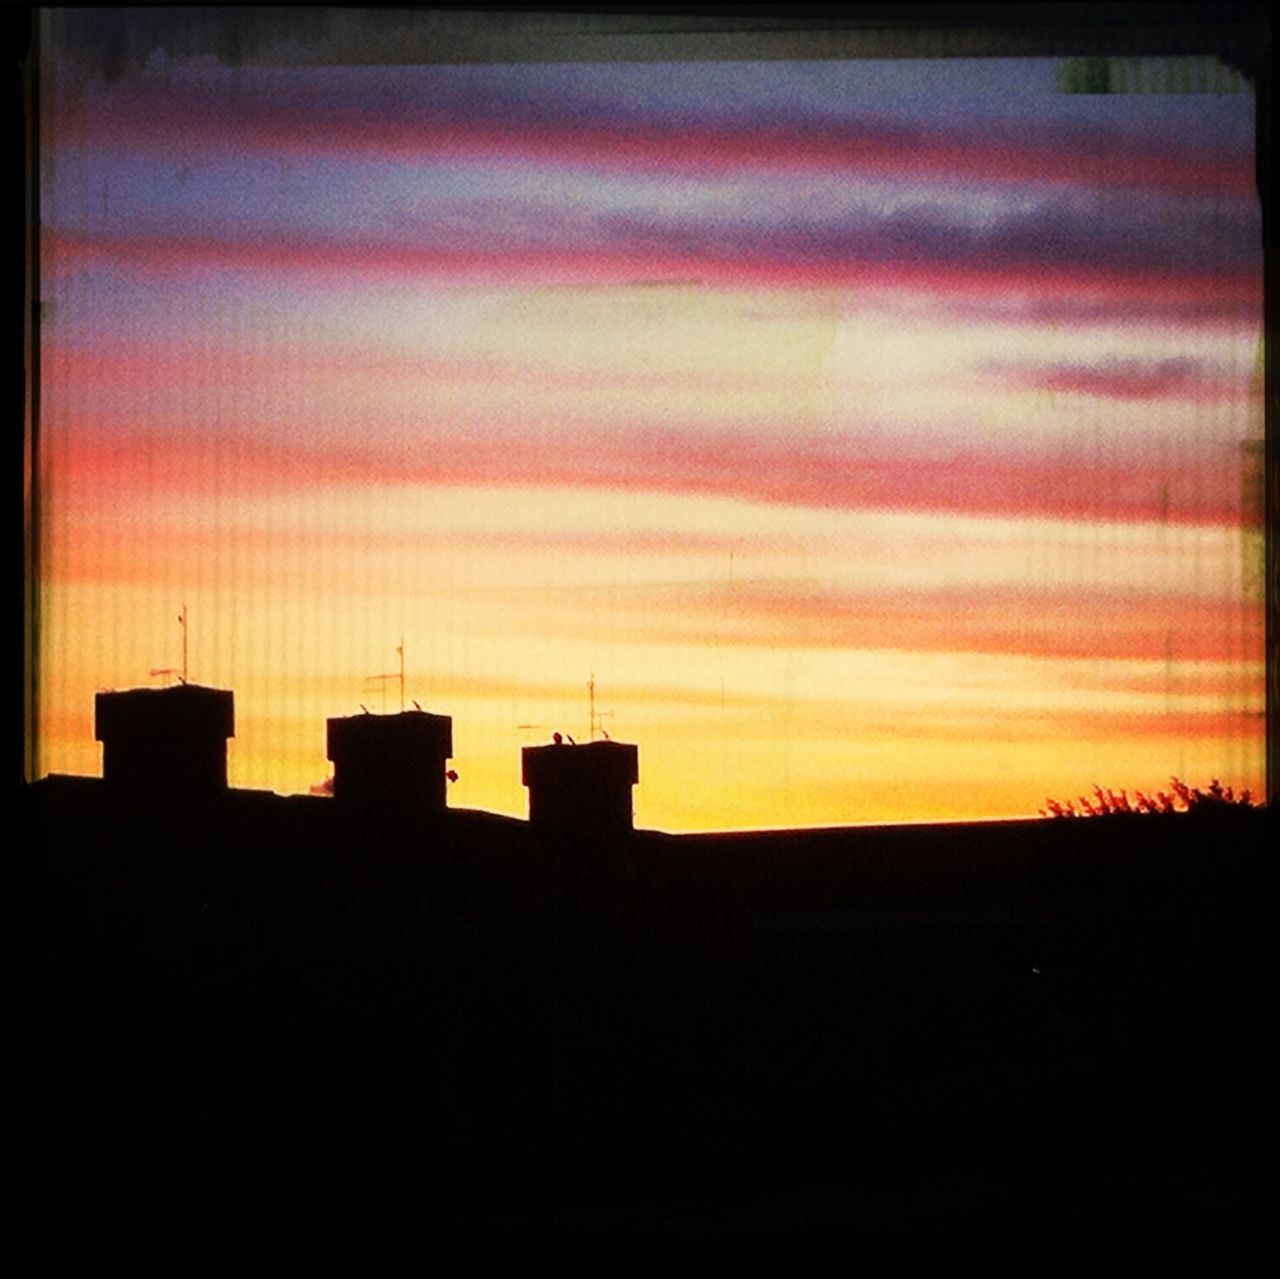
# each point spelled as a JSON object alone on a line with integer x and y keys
{"x": 1180, "y": 798}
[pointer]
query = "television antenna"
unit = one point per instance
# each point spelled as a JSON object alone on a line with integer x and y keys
{"x": 396, "y": 675}
{"x": 596, "y": 716}
{"x": 173, "y": 670}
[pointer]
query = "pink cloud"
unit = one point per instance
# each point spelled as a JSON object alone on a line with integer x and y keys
{"x": 1172, "y": 379}
{"x": 340, "y": 262}
{"x": 834, "y": 475}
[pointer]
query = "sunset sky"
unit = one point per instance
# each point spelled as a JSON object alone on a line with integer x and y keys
{"x": 878, "y": 434}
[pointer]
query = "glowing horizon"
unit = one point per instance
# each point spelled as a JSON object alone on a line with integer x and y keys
{"x": 887, "y": 451}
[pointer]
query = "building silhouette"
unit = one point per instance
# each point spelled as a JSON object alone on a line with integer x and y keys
{"x": 375, "y": 1002}
{"x": 394, "y": 762}
{"x": 169, "y": 743}
{"x": 580, "y": 789}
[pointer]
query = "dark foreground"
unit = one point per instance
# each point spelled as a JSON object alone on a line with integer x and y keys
{"x": 267, "y": 1012}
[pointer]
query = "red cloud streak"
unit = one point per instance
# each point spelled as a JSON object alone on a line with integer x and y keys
{"x": 1043, "y": 622}
{"x": 337, "y": 262}
{"x": 1090, "y": 158}
{"x": 806, "y": 475}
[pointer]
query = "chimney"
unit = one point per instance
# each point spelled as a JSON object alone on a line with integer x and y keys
{"x": 395, "y": 762}
{"x": 169, "y": 742}
{"x": 581, "y": 789}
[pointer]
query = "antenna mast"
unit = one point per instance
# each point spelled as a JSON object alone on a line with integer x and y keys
{"x": 171, "y": 670}
{"x": 396, "y": 675}
{"x": 596, "y": 716}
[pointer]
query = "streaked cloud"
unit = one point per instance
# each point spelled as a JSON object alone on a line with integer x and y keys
{"x": 448, "y": 113}
{"x": 1175, "y": 378}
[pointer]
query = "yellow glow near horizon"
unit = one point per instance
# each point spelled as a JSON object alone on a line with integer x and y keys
{"x": 730, "y": 736}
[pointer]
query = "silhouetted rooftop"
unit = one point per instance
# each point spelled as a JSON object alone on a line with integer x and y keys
{"x": 409, "y": 730}
{"x": 616, "y": 761}
{"x": 179, "y": 709}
